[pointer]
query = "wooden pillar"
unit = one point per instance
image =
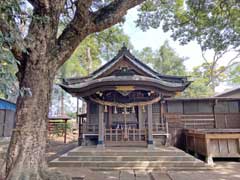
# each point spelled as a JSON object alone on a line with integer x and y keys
{"x": 110, "y": 109}
{"x": 214, "y": 114}
{"x": 161, "y": 112}
{"x": 140, "y": 117}
{"x": 101, "y": 127}
{"x": 79, "y": 130}
{"x": 88, "y": 120}
{"x": 65, "y": 131}
{"x": 209, "y": 159}
{"x": 150, "y": 131}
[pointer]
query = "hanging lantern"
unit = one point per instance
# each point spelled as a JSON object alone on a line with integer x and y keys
{"x": 115, "y": 110}
{"x": 143, "y": 109}
{"x": 133, "y": 109}
{"x": 105, "y": 109}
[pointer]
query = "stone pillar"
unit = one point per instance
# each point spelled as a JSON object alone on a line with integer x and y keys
{"x": 140, "y": 117}
{"x": 101, "y": 127}
{"x": 150, "y": 131}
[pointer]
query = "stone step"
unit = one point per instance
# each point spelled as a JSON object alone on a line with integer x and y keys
{"x": 126, "y": 158}
{"x": 158, "y": 169}
{"x": 163, "y": 158}
{"x": 126, "y": 164}
{"x": 126, "y": 153}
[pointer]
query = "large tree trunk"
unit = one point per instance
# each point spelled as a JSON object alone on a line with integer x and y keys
{"x": 41, "y": 52}
{"x": 26, "y": 153}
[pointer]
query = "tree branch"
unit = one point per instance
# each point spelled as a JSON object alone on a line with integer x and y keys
{"x": 204, "y": 57}
{"x": 39, "y": 3}
{"x": 86, "y": 22}
{"x": 73, "y": 34}
{"x": 113, "y": 13}
{"x": 42, "y": 30}
{"x": 10, "y": 30}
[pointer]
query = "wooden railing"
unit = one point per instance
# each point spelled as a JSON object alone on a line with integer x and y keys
{"x": 130, "y": 135}
{"x": 90, "y": 129}
{"x": 160, "y": 128}
{"x": 197, "y": 121}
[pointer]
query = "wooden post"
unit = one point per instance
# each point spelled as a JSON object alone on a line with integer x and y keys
{"x": 134, "y": 134}
{"x": 100, "y": 127}
{"x": 140, "y": 118}
{"x": 214, "y": 114}
{"x": 125, "y": 124}
{"x": 88, "y": 120}
{"x": 208, "y": 159}
{"x": 161, "y": 112}
{"x": 150, "y": 131}
{"x": 80, "y": 130}
{"x": 4, "y": 122}
{"x": 65, "y": 131}
{"x": 238, "y": 144}
{"x": 111, "y": 134}
{"x": 110, "y": 110}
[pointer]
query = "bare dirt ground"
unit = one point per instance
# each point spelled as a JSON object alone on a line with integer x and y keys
{"x": 56, "y": 145}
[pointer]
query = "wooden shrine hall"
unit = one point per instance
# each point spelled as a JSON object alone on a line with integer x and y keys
{"x": 124, "y": 102}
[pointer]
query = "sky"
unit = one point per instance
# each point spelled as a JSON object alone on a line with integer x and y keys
{"x": 154, "y": 38}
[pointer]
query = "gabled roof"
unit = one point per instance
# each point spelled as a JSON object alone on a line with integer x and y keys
{"x": 229, "y": 92}
{"x": 141, "y": 76}
{"x": 124, "y": 52}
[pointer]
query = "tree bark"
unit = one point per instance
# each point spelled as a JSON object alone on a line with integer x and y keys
{"x": 40, "y": 53}
{"x": 26, "y": 153}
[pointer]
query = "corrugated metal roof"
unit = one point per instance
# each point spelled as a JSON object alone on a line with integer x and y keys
{"x": 4, "y": 104}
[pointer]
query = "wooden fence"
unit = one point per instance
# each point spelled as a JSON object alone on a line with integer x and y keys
{"x": 132, "y": 136}
{"x": 178, "y": 122}
{"x": 7, "y": 120}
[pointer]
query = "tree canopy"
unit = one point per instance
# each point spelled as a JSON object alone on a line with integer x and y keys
{"x": 164, "y": 60}
{"x": 31, "y": 31}
{"x": 8, "y": 81}
{"x": 214, "y": 24}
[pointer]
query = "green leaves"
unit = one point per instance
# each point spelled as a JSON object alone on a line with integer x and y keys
{"x": 8, "y": 81}
{"x": 111, "y": 40}
{"x": 103, "y": 46}
{"x": 234, "y": 75}
{"x": 165, "y": 60}
{"x": 214, "y": 24}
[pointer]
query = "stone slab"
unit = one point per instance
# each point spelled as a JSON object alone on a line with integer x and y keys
{"x": 160, "y": 176}
{"x": 84, "y": 173}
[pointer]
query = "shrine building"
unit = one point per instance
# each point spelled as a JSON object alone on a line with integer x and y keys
{"x": 124, "y": 101}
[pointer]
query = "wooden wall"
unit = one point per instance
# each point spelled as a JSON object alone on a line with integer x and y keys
{"x": 156, "y": 113}
{"x": 7, "y": 119}
{"x": 200, "y": 114}
{"x": 92, "y": 113}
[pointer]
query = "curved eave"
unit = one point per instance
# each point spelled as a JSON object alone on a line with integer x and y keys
{"x": 111, "y": 82}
